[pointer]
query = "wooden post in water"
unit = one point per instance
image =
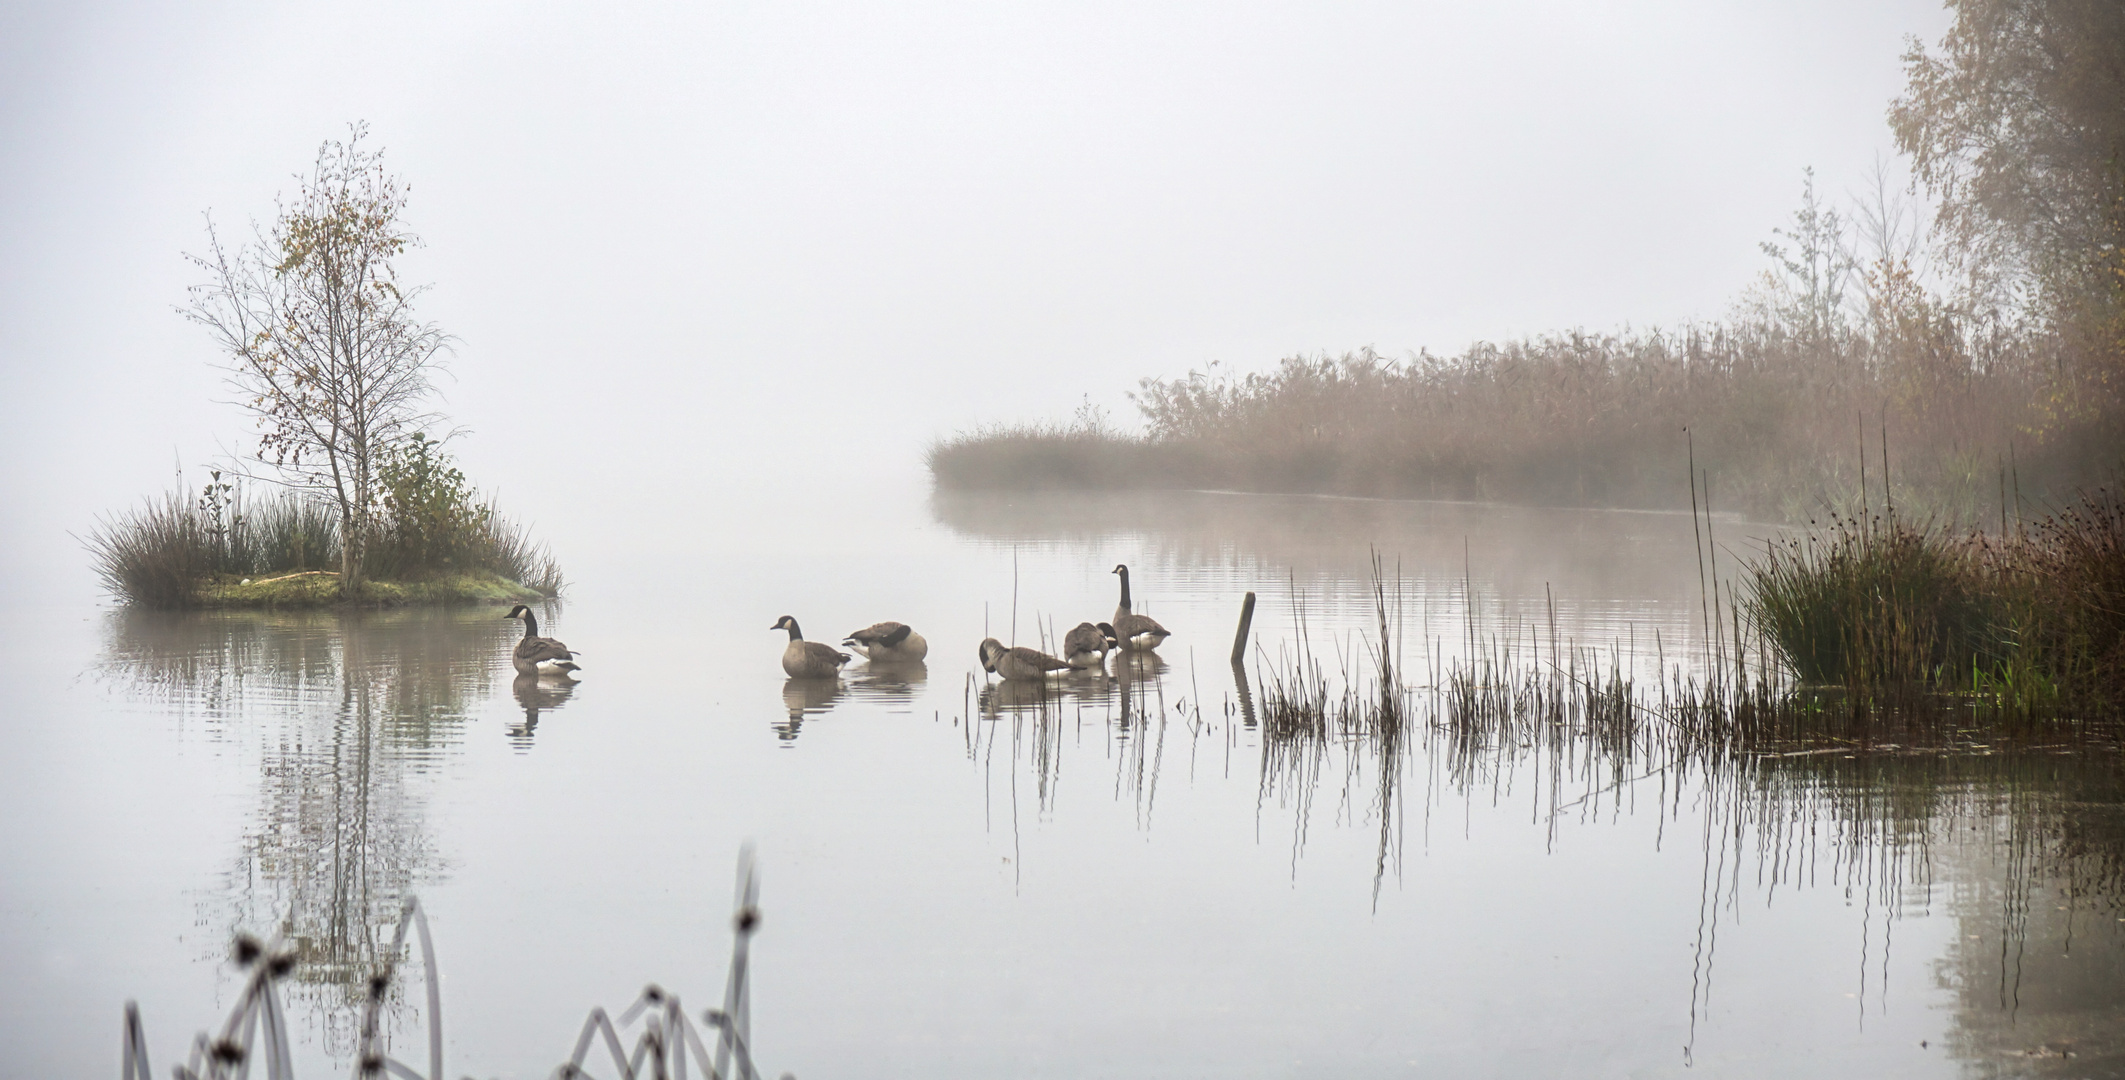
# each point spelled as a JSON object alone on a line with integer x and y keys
{"x": 1239, "y": 641}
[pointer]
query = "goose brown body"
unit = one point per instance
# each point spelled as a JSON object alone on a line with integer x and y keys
{"x": 1019, "y": 662}
{"x": 1086, "y": 645}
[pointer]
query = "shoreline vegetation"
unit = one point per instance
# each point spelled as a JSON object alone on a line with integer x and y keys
{"x": 1875, "y": 636}
{"x": 1608, "y": 421}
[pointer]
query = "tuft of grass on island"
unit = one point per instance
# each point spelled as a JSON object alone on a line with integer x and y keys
{"x": 320, "y": 589}
{"x": 430, "y": 540}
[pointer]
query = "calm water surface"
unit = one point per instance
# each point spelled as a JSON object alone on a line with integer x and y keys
{"x": 1125, "y": 878}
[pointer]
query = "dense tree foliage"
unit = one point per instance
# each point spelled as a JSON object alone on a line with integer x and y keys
{"x": 2016, "y": 123}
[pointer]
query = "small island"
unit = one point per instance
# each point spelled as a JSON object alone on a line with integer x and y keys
{"x": 347, "y": 497}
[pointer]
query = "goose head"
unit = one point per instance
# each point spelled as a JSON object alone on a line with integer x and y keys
{"x": 789, "y": 624}
{"x": 517, "y": 612}
{"x": 991, "y": 649}
{"x": 1106, "y": 630}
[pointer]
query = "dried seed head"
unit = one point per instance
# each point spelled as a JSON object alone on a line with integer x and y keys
{"x": 748, "y": 918}
{"x": 245, "y": 950}
{"x": 653, "y": 994}
{"x": 281, "y": 965}
{"x": 372, "y": 1065}
{"x": 378, "y": 983}
{"x": 227, "y": 1050}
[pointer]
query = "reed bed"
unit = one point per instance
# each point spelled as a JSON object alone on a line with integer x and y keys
{"x": 1742, "y": 699}
{"x": 1599, "y": 420}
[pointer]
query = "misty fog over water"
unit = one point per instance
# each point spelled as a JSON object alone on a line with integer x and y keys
{"x": 813, "y": 238}
{"x": 1124, "y": 876}
{"x": 716, "y": 277}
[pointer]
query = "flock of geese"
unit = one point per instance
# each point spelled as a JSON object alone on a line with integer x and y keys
{"x": 1084, "y": 648}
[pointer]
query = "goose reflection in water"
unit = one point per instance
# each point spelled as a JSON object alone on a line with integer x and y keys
{"x": 893, "y": 683}
{"x": 536, "y": 695}
{"x": 1132, "y": 667}
{"x": 1020, "y": 695}
{"x": 1136, "y": 678}
{"x": 803, "y": 698}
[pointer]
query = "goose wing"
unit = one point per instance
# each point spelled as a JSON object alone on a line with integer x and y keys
{"x": 887, "y": 634}
{"x": 821, "y": 653}
{"x": 1127, "y": 627}
{"x": 1037, "y": 660}
{"x": 540, "y": 650}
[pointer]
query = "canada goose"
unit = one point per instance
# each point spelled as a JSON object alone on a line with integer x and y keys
{"x": 1018, "y": 663}
{"x": 537, "y": 655}
{"x": 889, "y": 642}
{"x": 803, "y": 659}
{"x": 1135, "y": 632}
{"x": 1086, "y": 645}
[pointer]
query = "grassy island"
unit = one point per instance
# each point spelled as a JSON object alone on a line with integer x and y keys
{"x": 320, "y": 588}
{"x": 430, "y": 540}
{"x": 321, "y": 345}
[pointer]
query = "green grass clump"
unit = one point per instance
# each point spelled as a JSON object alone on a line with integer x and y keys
{"x": 1877, "y": 601}
{"x": 2036, "y": 616}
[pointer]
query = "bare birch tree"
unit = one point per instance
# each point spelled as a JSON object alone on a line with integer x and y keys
{"x": 320, "y": 337}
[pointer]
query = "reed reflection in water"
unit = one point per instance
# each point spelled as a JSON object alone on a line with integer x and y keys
{"x": 351, "y": 714}
{"x": 2019, "y": 841}
{"x": 982, "y": 861}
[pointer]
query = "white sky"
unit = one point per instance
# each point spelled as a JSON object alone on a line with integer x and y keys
{"x": 705, "y": 246}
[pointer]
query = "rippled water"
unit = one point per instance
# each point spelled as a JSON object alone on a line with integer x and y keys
{"x": 962, "y": 878}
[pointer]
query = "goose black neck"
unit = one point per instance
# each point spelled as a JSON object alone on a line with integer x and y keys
{"x": 1124, "y": 572}
{"x": 531, "y": 625}
{"x": 794, "y": 633}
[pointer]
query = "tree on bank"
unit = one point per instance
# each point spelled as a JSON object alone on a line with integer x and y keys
{"x": 320, "y": 338}
{"x": 2016, "y": 123}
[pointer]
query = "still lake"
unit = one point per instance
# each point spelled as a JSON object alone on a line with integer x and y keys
{"x": 1125, "y": 878}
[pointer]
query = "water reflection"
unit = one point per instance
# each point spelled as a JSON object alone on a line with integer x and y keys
{"x": 2014, "y": 858}
{"x": 349, "y": 713}
{"x": 2023, "y": 849}
{"x": 894, "y": 685}
{"x": 803, "y": 698}
{"x": 1122, "y": 708}
{"x": 535, "y": 694}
